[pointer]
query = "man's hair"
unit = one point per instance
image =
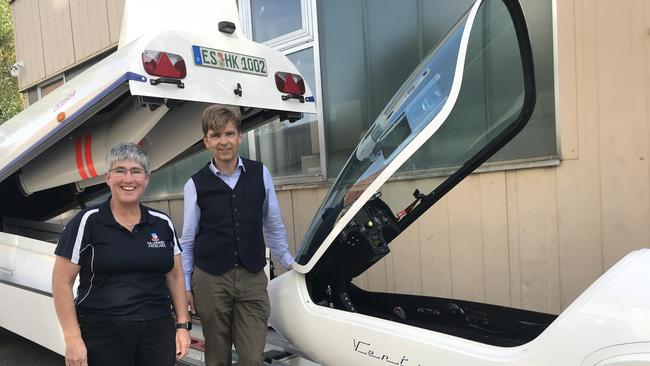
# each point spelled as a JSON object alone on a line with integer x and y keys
{"x": 216, "y": 116}
{"x": 127, "y": 151}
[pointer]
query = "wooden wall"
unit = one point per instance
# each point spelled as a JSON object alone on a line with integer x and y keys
{"x": 53, "y": 35}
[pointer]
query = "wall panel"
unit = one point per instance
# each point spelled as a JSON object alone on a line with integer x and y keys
{"x": 622, "y": 111}
{"x": 538, "y": 239}
{"x": 435, "y": 260}
{"x": 578, "y": 182}
{"x": 405, "y": 251}
{"x": 514, "y": 255}
{"x": 176, "y": 212}
{"x": 305, "y": 204}
{"x": 494, "y": 228}
{"x": 115, "y": 9}
{"x": 28, "y": 41}
{"x": 90, "y": 29}
{"x": 465, "y": 240}
{"x": 56, "y": 30}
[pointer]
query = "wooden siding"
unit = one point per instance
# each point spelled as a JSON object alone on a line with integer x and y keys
{"x": 90, "y": 25}
{"x": 54, "y": 35}
{"x": 56, "y": 30}
{"x": 115, "y": 9}
{"x": 28, "y": 40}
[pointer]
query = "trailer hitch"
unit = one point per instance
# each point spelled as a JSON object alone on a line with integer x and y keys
{"x": 294, "y": 96}
{"x": 176, "y": 82}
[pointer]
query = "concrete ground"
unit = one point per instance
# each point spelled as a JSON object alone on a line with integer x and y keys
{"x": 18, "y": 351}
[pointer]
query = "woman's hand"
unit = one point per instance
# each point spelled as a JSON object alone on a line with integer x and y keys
{"x": 182, "y": 342}
{"x": 75, "y": 352}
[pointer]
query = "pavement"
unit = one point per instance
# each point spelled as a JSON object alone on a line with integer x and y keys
{"x": 18, "y": 351}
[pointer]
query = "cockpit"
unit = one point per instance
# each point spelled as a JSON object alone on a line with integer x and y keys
{"x": 454, "y": 115}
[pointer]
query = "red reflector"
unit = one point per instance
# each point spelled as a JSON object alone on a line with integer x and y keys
{"x": 290, "y": 83}
{"x": 164, "y": 64}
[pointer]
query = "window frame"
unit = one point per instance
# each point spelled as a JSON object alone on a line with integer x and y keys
{"x": 42, "y": 85}
{"x": 288, "y": 40}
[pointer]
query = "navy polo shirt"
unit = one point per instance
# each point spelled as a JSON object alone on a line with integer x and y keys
{"x": 122, "y": 274}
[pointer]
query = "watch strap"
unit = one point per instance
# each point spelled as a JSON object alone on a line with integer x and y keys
{"x": 187, "y": 325}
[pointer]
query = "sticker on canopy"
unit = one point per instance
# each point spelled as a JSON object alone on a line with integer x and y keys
{"x": 230, "y": 61}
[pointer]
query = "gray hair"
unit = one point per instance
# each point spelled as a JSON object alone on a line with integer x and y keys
{"x": 127, "y": 151}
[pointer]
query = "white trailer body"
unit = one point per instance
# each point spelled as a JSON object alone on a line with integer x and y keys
{"x": 52, "y": 153}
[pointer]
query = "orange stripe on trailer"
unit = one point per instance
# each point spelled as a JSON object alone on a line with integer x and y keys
{"x": 88, "y": 141}
{"x": 79, "y": 159}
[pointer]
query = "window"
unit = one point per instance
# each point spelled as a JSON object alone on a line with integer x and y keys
{"x": 291, "y": 151}
{"x": 281, "y": 24}
{"x": 171, "y": 179}
{"x": 371, "y": 47}
{"x": 50, "y": 85}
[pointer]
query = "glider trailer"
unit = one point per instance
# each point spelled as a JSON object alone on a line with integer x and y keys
{"x": 151, "y": 91}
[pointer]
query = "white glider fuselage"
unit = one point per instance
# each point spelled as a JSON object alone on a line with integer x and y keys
{"x": 609, "y": 320}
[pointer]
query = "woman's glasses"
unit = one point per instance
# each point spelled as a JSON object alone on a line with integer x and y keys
{"x": 122, "y": 172}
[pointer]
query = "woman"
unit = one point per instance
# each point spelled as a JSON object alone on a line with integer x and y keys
{"x": 128, "y": 262}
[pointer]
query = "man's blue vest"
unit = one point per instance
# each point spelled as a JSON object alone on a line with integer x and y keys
{"x": 230, "y": 227}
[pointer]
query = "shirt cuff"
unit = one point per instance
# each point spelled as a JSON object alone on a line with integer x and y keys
{"x": 286, "y": 261}
{"x": 188, "y": 285}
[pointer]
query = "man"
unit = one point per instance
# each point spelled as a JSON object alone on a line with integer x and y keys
{"x": 230, "y": 208}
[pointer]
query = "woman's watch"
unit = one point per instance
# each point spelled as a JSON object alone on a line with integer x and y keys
{"x": 187, "y": 325}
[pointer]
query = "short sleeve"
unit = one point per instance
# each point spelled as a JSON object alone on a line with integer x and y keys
{"x": 71, "y": 240}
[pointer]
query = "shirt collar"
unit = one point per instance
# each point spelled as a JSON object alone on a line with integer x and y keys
{"x": 240, "y": 164}
{"x": 107, "y": 218}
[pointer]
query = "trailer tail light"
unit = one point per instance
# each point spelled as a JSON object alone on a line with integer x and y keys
{"x": 164, "y": 64}
{"x": 289, "y": 83}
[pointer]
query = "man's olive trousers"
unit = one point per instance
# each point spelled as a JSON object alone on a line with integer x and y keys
{"x": 234, "y": 308}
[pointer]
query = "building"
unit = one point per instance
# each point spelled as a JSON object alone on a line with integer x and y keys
{"x": 532, "y": 229}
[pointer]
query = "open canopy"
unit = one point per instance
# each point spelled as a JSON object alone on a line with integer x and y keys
{"x": 468, "y": 97}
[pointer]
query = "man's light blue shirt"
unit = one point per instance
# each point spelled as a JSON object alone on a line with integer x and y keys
{"x": 274, "y": 232}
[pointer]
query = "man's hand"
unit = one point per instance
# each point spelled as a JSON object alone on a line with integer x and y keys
{"x": 183, "y": 342}
{"x": 76, "y": 353}
{"x": 190, "y": 302}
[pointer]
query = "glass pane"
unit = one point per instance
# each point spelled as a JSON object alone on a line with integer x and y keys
{"x": 491, "y": 94}
{"x": 47, "y": 89}
{"x": 292, "y": 148}
{"x": 274, "y": 18}
{"x": 172, "y": 178}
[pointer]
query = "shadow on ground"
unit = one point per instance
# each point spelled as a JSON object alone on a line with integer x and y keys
{"x": 18, "y": 351}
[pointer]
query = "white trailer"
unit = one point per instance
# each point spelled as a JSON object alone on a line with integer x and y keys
{"x": 172, "y": 61}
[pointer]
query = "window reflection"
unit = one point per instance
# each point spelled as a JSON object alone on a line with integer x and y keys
{"x": 290, "y": 149}
{"x": 274, "y": 18}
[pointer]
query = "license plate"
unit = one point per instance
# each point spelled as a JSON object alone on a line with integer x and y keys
{"x": 230, "y": 61}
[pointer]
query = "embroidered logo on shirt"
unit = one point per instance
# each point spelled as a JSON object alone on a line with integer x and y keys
{"x": 155, "y": 242}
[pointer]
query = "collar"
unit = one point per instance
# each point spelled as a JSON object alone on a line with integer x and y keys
{"x": 240, "y": 164}
{"x": 106, "y": 215}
